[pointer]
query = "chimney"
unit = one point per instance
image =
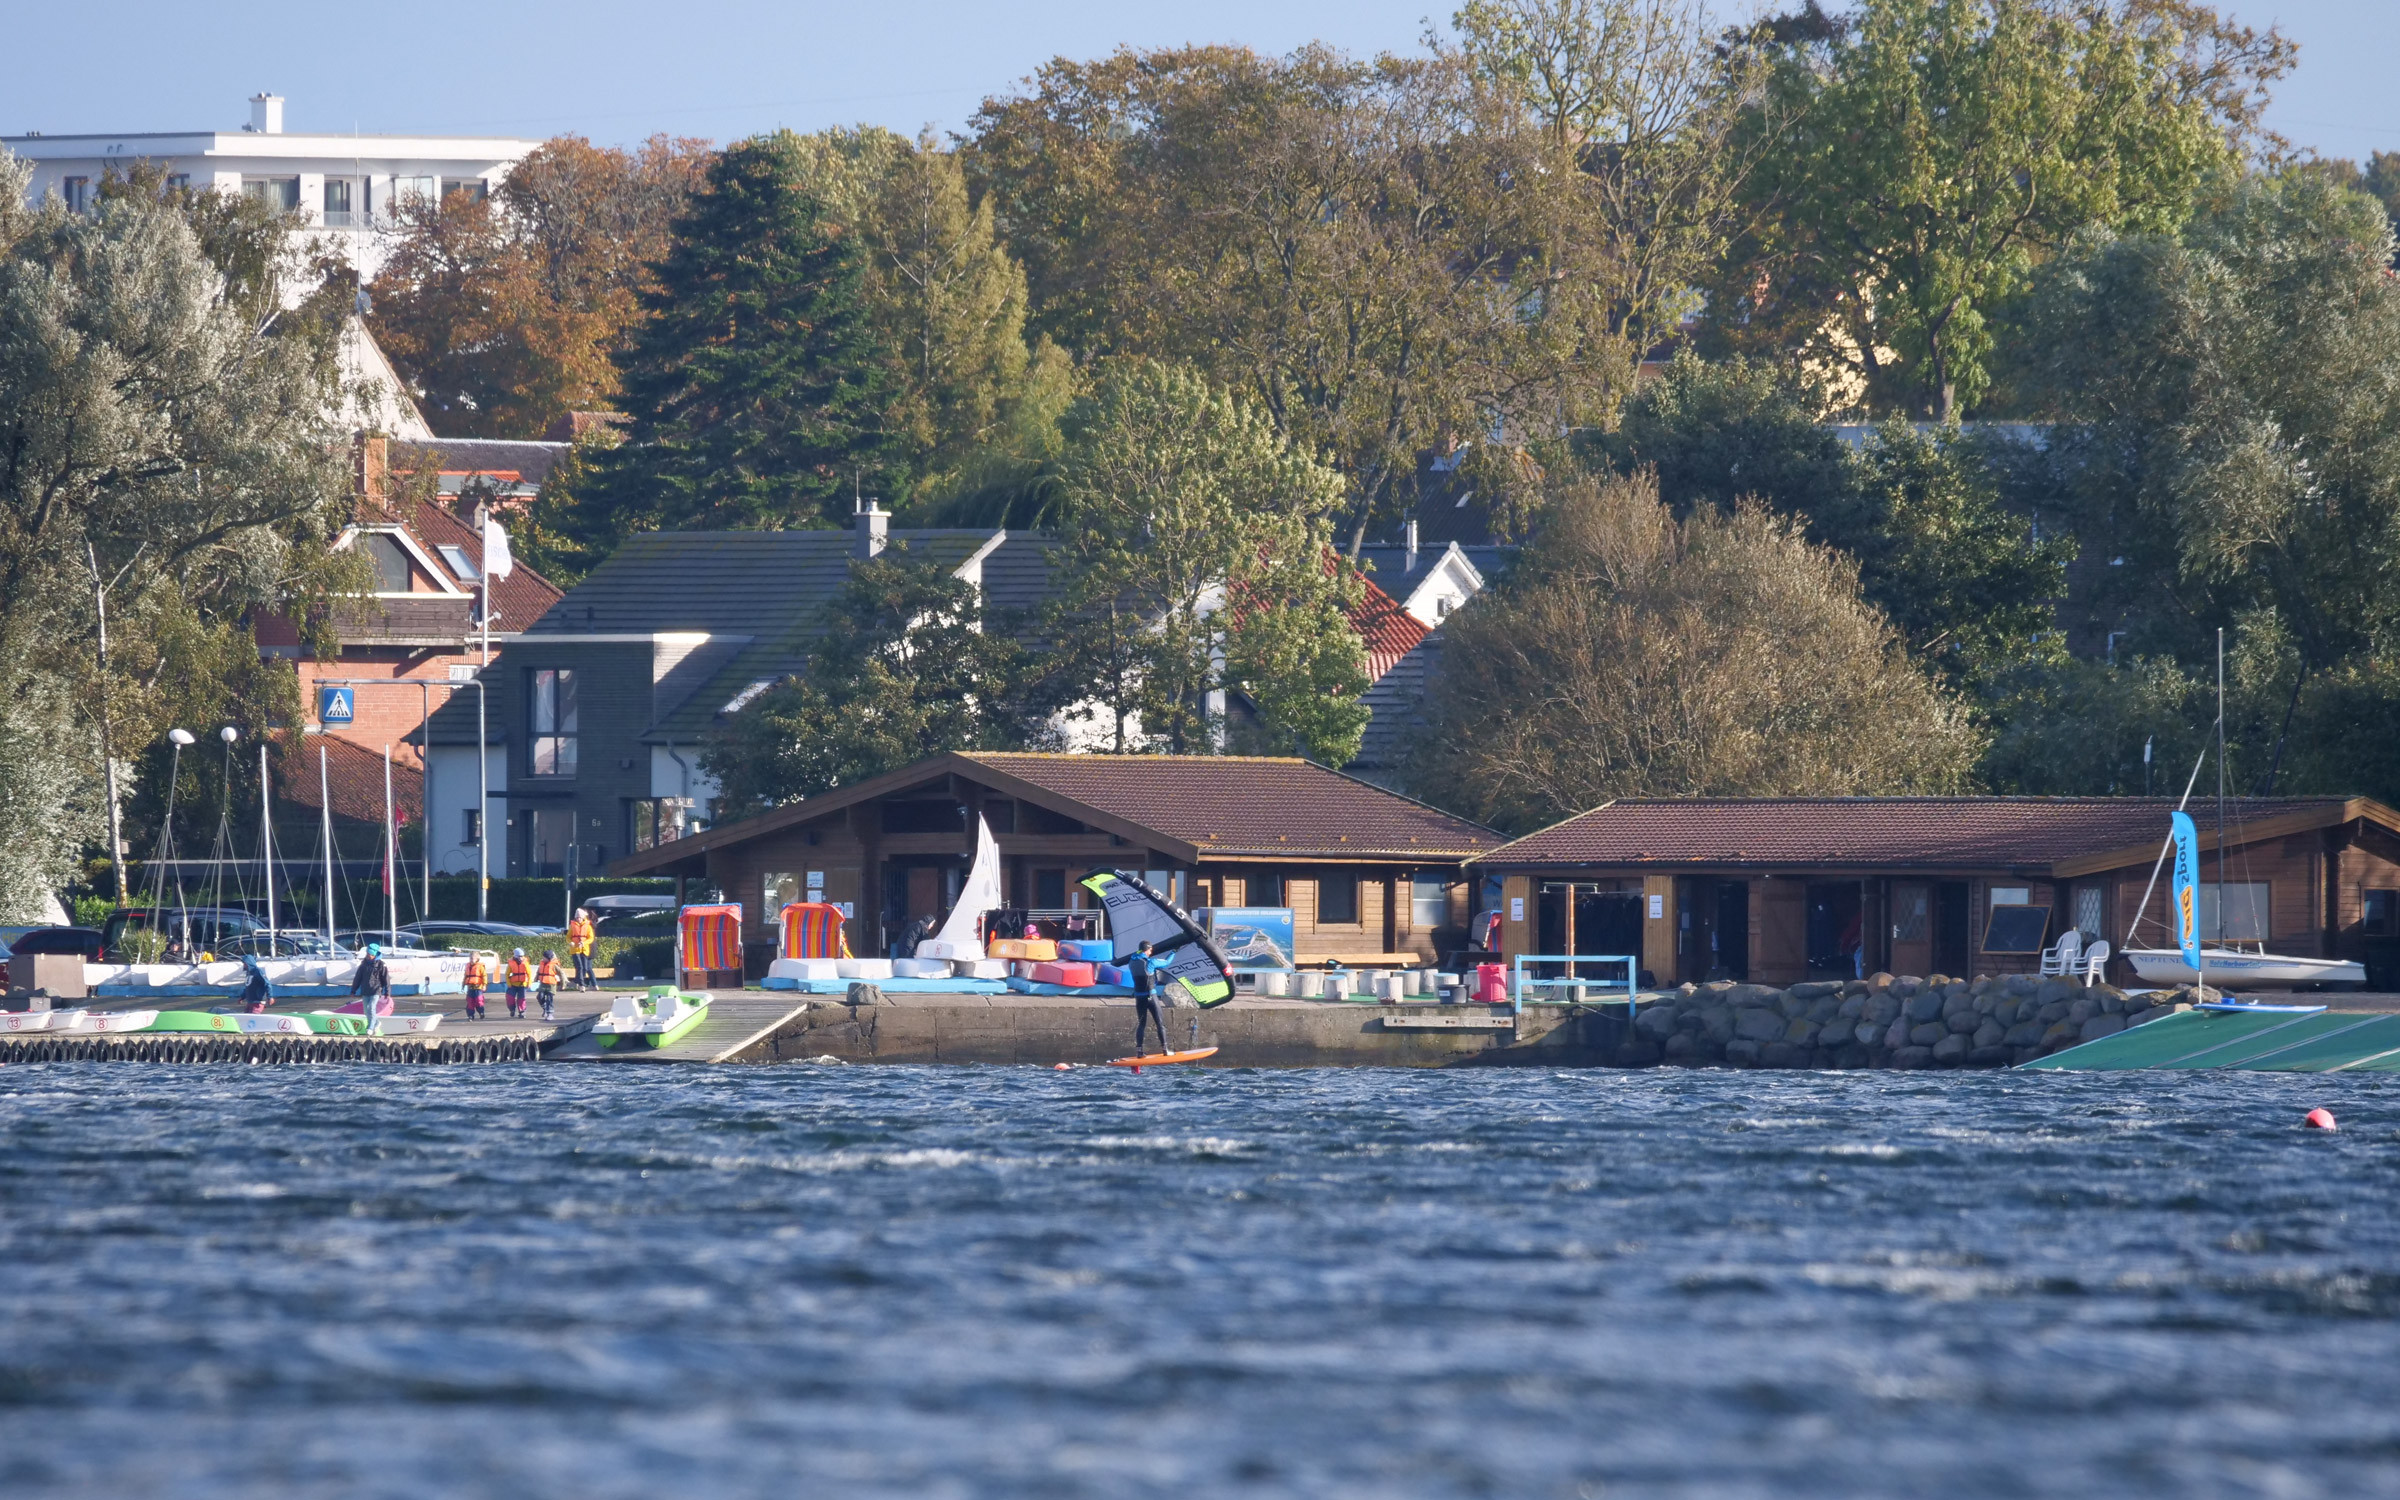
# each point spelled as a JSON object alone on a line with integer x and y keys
{"x": 266, "y": 114}
{"x": 872, "y": 524}
{"x": 373, "y": 468}
{"x": 1411, "y": 534}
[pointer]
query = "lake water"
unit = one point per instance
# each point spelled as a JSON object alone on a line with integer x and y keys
{"x": 826, "y": 1280}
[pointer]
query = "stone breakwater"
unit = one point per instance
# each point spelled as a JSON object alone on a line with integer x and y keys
{"x": 1884, "y": 1021}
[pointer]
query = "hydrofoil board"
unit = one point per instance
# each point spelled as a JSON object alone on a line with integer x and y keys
{"x": 1161, "y": 1059}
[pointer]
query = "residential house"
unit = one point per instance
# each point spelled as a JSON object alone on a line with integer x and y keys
{"x": 1368, "y": 874}
{"x": 344, "y": 186}
{"x": 1778, "y": 890}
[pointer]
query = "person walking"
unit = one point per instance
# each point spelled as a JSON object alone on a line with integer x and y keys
{"x": 372, "y": 984}
{"x": 545, "y": 984}
{"x": 478, "y": 979}
{"x": 580, "y": 933}
{"x": 1145, "y": 1005}
{"x": 520, "y": 974}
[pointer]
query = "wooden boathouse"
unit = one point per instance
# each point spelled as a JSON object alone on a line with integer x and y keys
{"x": 1786, "y": 889}
{"x": 1369, "y": 875}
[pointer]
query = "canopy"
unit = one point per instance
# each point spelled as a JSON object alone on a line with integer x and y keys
{"x": 1138, "y": 914}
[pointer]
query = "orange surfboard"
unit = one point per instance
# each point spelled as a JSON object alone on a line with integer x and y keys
{"x": 1160, "y": 1059}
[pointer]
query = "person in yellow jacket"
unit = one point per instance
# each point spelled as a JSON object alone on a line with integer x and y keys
{"x": 580, "y": 933}
{"x": 520, "y": 974}
{"x": 478, "y": 979}
{"x": 545, "y": 982}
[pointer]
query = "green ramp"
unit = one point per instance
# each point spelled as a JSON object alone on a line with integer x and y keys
{"x": 2327, "y": 1041}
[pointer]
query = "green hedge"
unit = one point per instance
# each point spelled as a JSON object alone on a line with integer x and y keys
{"x": 653, "y": 956}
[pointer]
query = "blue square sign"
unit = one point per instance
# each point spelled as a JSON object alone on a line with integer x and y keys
{"x": 335, "y": 705}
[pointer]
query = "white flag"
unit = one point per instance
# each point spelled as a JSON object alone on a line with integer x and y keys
{"x": 496, "y": 561}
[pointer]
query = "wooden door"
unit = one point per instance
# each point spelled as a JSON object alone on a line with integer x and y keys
{"x": 1912, "y": 928}
{"x": 924, "y": 892}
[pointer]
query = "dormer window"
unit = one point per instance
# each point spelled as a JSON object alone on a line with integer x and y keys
{"x": 390, "y": 560}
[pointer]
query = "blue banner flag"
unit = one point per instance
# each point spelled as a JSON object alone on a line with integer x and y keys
{"x": 2187, "y": 888}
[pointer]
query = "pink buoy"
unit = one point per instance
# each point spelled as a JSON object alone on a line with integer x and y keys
{"x": 2321, "y": 1119}
{"x": 1060, "y": 1067}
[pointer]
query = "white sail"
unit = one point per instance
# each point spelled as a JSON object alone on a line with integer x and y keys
{"x": 958, "y": 940}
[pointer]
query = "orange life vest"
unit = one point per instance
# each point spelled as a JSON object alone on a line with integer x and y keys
{"x": 579, "y": 936}
{"x": 547, "y": 973}
{"x": 519, "y": 972}
{"x": 476, "y": 977}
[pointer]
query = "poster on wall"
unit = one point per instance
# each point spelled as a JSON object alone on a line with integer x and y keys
{"x": 1253, "y": 937}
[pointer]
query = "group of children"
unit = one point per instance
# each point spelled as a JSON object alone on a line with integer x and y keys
{"x": 542, "y": 978}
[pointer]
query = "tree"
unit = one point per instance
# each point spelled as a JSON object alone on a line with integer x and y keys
{"x": 505, "y": 314}
{"x": 1195, "y": 564}
{"x": 1633, "y": 654}
{"x": 1970, "y": 584}
{"x": 1929, "y": 152}
{"x": 2228, "y": 396}
{"x": 906, "y": 669}
{"x": 755, "y": 387}
{"x": 167, "y": 465}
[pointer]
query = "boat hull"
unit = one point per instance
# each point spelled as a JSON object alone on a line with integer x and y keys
{"x": 2243, "y": 971}
{"x": 649, "y": 1033}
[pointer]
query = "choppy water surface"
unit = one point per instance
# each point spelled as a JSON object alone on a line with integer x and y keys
{"x": 615, "y": 1281}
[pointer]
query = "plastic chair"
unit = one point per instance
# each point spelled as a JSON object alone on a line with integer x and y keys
{"x": 2095, "y": 963}
{"x": 2059, "y": 959}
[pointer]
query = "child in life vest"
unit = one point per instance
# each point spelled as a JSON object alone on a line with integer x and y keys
{"x": 545, "y": 980}
{"x": 477, "y": 978}
{"x": 520, "y": 974}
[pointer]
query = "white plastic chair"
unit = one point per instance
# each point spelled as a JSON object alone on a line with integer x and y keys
{"x": 2095, "y": 963}
{"x": 2059, "y": 958}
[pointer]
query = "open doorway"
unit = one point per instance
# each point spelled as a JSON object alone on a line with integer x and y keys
{"x": 1834, "y": 930}
{"x": 1951, "y": 928}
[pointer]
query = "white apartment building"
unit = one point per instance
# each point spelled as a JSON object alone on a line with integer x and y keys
{"x": 344, "y": 186}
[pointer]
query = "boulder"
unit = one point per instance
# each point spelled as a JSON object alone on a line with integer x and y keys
{"x": 1758, "y": 1024}
{"x": 1682, "y": 1050}
{"x": 1657, "y": 1021}
{"x": 1913, "y": 1057}
{"x": 1989, "y": 1034}
{"x": 2055, "y": 988}
{"x": 2057, "y": 1034}
{"x": 2100, "y": 1026}
{"x": 1959, "y": 1005}
{"x": 1879, "y": 980}
{"x": 1926, "y": 1007}
{"x": 1868, "y": 1033}
{"x": 1896, "y": 1035}
{"x": 2024, "y": 1034}
{"x": 1801, "y": 1033}
{"x": 1903, "y": 987}
{"x": 1716, "y": 1024}
{"x": 2111, "y": 1004}
{"x": 1884, "y": 1009}
{"x": 1988, "y": 1057}
{"x": 1782, "y": 1055}
{"x": 1825, "y": 1008}
{"x": 2020, "y": 984}
{"x": 1815, "y": 988}
{"x": 1951, "y": 1049}
{"x": 1851, "y": 1008}
{"x": 1792, "y": 1006}
{"x": 1927, "y": 1034}
{"x": 1967, "y": 1023}
{"x": 2082, "y": 1011}
{"x": 2054, "y": 1012}
{"x": 1742, "y": 1054}
{"x": 1751, "y": 994}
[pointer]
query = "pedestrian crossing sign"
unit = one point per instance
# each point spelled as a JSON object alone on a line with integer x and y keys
{"x": 334, "y": 705}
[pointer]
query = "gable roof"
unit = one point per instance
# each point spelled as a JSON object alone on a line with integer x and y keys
{"x": 512, "y": 466}
{"x": 2062, "y": 836}
{"x": 1191, "y": 807}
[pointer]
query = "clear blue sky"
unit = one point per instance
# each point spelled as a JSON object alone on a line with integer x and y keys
{"x": 617, "y": 70}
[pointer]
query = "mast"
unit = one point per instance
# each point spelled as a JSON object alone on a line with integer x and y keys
{"x": 266, "y": 843}
{"x": 325, "y": 807}
{"x": 2220, "y": 812}
{"x": 483, "y": 767}
{"x": 391, "y": 853}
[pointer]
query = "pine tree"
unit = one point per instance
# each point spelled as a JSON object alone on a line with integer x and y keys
{"x": 755, "y": 388}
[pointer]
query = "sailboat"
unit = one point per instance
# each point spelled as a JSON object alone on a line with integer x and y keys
{"x": 959, "y": 941}
{"x": 2190, "y": 961}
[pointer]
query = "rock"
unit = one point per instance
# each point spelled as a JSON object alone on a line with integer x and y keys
{"x": 1988, "y": 1057}
{"x": 2135, "y": 1018}
{"x": 2056, "y": 1033}
{"x": 1989, "y": 1034}
{"x": 1903, "y": 987}
{"x": 1815, "y": 988}
{"x": 1758, "y": 1024}
{"x": 1868, "y": 1033}
{"x": 1681, "y": 1049}
{"x": 1884, "y": 1008}
{"x": 1852, "y": 1008}
{"x": 2082, "y": 1011}
{"x": 1967, "y": 1024}
{"x": 1782, "y": 1055}
{"x": 1913, "y": 1057}
{"x": 1951, "y": 1049}
{"x": 1801, "y": 1033}
{"x": 1751, "y": 994}
{"x": 2055, "y": 988}
{"x": 1792, "y": 1006}
{"x": 1926, "y": 1007}
{"x": 1743, "y": 1054}
{"x": 1639, "y": 1054}
{"x": 1959, "y": 1005}
{"x": 2024, "y": 1034}
{"x": 1927, "y": 1034}
{"x": 1879, "y": 980}
{"x": 1896, "y": 1035}
{"x": 1717, "y": 1025}
{"x": 865, "y": 994}
{"x": 2100, "y": 1026}
{"x": 2112, "y": 1005}
{"x": 1827, "y": 1009}
{"x": 1687, "y": 989}
{"x": 1657, "y": 1021}
{"x": 2020, "y": 984}
{"x": 2057, "y": 1011}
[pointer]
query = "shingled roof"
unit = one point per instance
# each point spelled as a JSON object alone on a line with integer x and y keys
{"x": 2064, "y": 835}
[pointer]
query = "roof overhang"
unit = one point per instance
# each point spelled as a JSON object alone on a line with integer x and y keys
{"x": 2253, "y": 831}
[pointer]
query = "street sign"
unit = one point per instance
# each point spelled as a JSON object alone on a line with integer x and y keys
{"x": 335, "y": 705}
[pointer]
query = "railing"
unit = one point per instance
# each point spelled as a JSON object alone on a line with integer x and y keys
{"x": 1570, "y": 988}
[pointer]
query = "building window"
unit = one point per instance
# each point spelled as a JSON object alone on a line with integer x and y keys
{"x": 475, "y": 188}
{"x": 550, "y": 844}
{"x": 1050, "y": 890}
{"x": 279, "y": 194}
{"x": 390, "y": 560}
{"x": 77, "y": 191}
{"x": 1428, "y": 903}
{"x": 2091, "y": 910}
{"x": 1263, "y": 888}
{"x": 1337, "y": 899}
{"x": 2381, "y": 916}
{"x": 472, "y": 834}
{"x": 406, "y": 188}
{"x": 550, "y": 722}
{"x": 2012, "y": 895}
{"x": 178, "y": 182}
{"x": 2235, "y": 912}
{"x": 651, "y": 821}
{"x": 337, "y": 203}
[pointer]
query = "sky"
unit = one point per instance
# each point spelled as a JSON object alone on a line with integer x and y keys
{"x": 620, "y": 70}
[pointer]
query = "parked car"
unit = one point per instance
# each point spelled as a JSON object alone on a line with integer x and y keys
{"x": 10, "y": 934}
{"x": 87, "y": 941}
{"x": 477, "y": 929}
{"x": 357, "y": 941}
{"x": 634, "y": 924}
{"x": 194, "y": 928}
{"x": 284, "y": 945}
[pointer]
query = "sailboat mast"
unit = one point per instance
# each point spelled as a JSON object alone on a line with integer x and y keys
{"x": 391, "y": 853}
{"x": 266, "y": 842}
{"x": 325, "y": 807}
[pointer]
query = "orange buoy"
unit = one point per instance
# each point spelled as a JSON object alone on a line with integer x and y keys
{"x": 2321, "y": 1119}
{"x": 1060, "y": 1067}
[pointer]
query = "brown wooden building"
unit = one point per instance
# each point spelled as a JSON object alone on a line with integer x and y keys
{"x": 1778, "y": 890}
{"x": 1368, "y": 873}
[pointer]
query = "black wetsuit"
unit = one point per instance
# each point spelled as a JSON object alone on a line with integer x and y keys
{"x": 1145, "y": 1005}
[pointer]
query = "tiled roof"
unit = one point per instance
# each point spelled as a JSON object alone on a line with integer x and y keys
{"x": 1243, "y": 805}
{"x": 757, "y": 583}
{"x": 517, "y": 600}
{"x": 507, "y": 462}
{"x": 1394, "y": 705}
{"x": 1386, "y": 630}
{"x": 1872, "y": 832}
{"x": 353, "y": 777}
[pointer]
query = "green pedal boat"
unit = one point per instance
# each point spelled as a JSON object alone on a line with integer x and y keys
{"x": 659, "y": 1019}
